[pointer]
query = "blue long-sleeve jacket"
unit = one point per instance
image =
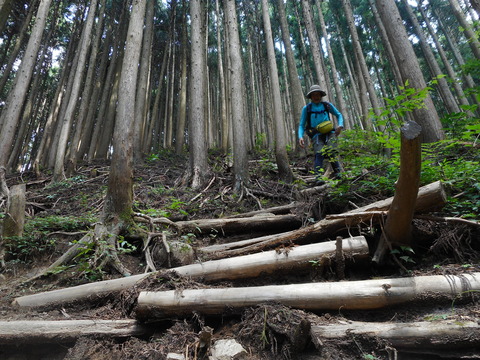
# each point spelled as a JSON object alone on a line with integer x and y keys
{"x": 316, "y": 119}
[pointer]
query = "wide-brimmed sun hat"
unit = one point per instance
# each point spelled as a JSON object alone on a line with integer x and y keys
{"x": 316, "y": 88}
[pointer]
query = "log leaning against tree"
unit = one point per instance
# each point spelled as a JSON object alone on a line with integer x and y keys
{"x": 226, "y": 269}
{"x": 352, "y": 295}
{"x": 430, "y": 197}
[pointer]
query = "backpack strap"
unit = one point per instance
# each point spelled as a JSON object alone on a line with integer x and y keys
{"x": 311, "y": 132}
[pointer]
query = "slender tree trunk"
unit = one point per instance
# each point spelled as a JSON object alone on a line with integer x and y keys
{"x": 427, "y": 117}
{"x": 223, "y": 100}
{"x": 469, "y": 33}
{"x": 67, "y": 120}
{"x": 347, "y": 7}
{"x": 450, "y": 71}
{"x": 86, "y": 98}
{"x": 296, "y": 93}
{"x": 314, "y": 43}
{"x": 13, "y": 110}
{"x": 284, "y": 171}
{"x": 119, "y": 198}
{"x": 240, "y": 165}
{"x": 443, "y": 88}
{"x": 336, "y": 83}
{"x": 197, "y": 139}
{"x": 141, "y": 110}
{"x": 16, "y": 49}
{"x": 182, "y": 112}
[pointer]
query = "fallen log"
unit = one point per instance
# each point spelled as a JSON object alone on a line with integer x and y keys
{"x": 354, "y": 295}
{"x": 226, "y": 269}
{"x": 277, "y": 210}
{"x": 227, "y": 226}
{"x": 430, "y": 197}
{"x": 418, "y": 335}
{"x": 62, "y": 331}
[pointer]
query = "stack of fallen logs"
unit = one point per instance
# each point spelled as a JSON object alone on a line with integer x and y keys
{"x": 251, "y": 259}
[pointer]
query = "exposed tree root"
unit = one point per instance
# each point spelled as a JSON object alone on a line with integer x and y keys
{"x": 104, "y": 240}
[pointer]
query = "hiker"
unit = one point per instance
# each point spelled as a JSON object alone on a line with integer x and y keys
{"x": 315, "y": 121}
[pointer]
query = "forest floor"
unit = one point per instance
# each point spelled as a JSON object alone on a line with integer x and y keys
{"x": 440, "y": 249}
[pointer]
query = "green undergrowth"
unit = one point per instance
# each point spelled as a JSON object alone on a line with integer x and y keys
{"x": 41, "y": 234}
{"x": 371, "y": 170}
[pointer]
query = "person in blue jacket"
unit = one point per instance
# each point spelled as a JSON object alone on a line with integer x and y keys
{"x": 323, "y": 135}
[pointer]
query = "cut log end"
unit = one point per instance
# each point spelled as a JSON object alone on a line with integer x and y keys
{"x": 411, "y": 130}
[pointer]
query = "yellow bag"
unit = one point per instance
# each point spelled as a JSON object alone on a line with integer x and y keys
{"x": 325, "y": 127}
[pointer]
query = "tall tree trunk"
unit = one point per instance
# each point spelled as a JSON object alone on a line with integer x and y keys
{"x": 13, "y": 110}
{"x": 197, "y": 139}
{"x": 284, "y": 171}
{"x": 296, "y": 93}
{"x": 16, "y": 49}
{"x": 223, "y": 100}
{"x": 357, "y": 47}
{"x": 314, "y": 43}
{"x": 58, "y": 173}
{"x": 119, "y": 197}
{"x": 472, "y": 38}
{"x": 453, "y": 45}
{"x": 427, "y": 117}
{"x": 182, "y": 112}
{"x": 336, "y": 83}
{"x": 443, "y": 88}
{"x": 450, "y": 71}
{"x": 240, "y": 161}
{"x": 141, "y": 101}
{"x": 86, "y": 98}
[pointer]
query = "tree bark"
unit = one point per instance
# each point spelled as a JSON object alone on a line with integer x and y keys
{"x": 399, "y": 221}
{"x": 427, "y": 117}
{"x": 199, "y": 168}
{"x": 15, "y": 214}
{"x": 65, "y": 331}
{"x": 358, "y": 295}
{"x": 335, "y": 74}
{"x": 284, "y": 171}
{"x": 226, "y": 269}
{"x": 143, "y": 86}
{"x": 238, "y": 225}
{"x": 296, "y": 93}
{"x": 442, "y": 85}
{"x": 315, "y": 44}
{"x": 472, "y": 38}
{"x": 11, "y": 113}
{"x": 457, "y": 85}
{"x": 430, "y": 197}
{"x": 67, "y": 120}
{"x": 365, "y": 73}
{"x": 421, "y": 337}
{"x": 182, "y": 111}
{"x": 236, "y": 94}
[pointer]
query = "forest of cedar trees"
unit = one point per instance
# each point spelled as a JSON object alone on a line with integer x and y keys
{"x": 138, "y": 136}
